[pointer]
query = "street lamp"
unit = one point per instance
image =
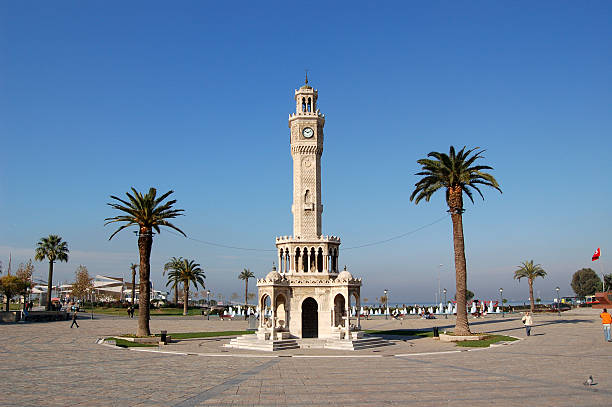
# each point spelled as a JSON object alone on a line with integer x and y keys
{"x": 501, "y": 298}
{"x": 438, "y": 293}
{"x": 445, "y": 305}
{"x": 558, "y": 302}
{"x": 386, "y": 304}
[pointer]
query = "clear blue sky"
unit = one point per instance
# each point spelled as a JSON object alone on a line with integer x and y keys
{"x": 97, "y": 97}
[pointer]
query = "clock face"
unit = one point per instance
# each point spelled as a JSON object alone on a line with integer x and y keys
{"x": 308, "y": 132}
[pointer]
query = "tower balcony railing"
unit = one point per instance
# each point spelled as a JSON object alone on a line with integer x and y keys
{"x": 290, "y": 239}
{"x": 317, "y": 113}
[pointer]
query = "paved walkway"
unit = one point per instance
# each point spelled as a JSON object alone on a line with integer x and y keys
{"x": 49, "y": 364}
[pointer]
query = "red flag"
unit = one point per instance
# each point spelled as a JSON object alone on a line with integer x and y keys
{"x": 596, "y": 255}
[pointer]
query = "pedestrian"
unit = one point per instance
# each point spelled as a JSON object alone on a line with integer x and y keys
{"x": 74, "y": 318}
{"x": 606, "y": 320}
{"x": 528, "y": 322}
{"x": 131, "y": 312}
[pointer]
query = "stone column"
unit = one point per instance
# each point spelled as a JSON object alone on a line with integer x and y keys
{"x": 279, "y": 258}
{"x": 325, "y": 268}
{"x": 348, "y": 317}
{"x": 358, "y": 305}
{"x": 273, "y": 316}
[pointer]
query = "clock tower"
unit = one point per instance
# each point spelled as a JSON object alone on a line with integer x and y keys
{"x": 306, "y": 296}
{"x": 306, "y": 126}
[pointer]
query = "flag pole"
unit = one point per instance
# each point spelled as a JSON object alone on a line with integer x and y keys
{"x": 603, "y": 276}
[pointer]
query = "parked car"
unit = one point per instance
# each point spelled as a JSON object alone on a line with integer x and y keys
{"x": 555, "y": 307}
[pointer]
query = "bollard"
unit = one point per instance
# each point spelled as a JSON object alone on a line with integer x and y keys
{"x": 162, "y": 338}
{"x": 436, "y": 334}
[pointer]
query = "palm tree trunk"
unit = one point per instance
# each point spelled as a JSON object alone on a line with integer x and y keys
{"x": 176, "y": 288}
{"x": 145, "y": 242}
{"x": 133, "y": 287}
{"x": 455, "y": 204}
{"x": 49, "y": 285}
{"x": 186, "y": 299}
{"x": 531, "y": 301}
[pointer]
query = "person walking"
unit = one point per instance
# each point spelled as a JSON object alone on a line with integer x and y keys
{"x": 528, "y": 322}
{"x": 606, "y": 320}
{"x": 74, "y": 319}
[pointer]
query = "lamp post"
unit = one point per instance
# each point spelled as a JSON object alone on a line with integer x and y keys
{"x": 558, "y": 302}
{"x": 386, "y": 304}
{"x": 208, "y": 297}
{"x": 438, "y": 293}
{"x": 501, "y": 299}
{"x": 445, "y": 305}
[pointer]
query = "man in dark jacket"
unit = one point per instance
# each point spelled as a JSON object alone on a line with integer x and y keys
{"x": 74, "y": 318}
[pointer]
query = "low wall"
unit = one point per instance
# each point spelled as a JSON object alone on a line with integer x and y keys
{"x": 10, "y": 316}
{"x": 40, "y": 316}
{"x": 34, "y": 316}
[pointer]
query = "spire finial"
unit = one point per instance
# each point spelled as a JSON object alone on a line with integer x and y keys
{"x": 306, "y": 76}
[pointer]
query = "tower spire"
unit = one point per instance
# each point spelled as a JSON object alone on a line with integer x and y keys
{"x": 306, "y": 76}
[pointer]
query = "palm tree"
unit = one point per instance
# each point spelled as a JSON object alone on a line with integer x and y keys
{"x": 245, "y": 275}
{"x": 133, "y": 267}
{"x": 148, "y": 213}
{"x": 53, "y": 249}
{"x": 172, "y": 265}
{"x": 186, "y": 272}
{"x": 530, "y": 271}
{"x": 456, "y": 174}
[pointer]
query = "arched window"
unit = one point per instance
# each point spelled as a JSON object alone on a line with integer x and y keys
{"x": 287, "y": 263}
{"x": 309, "y": 105}
{"x": 305, "y": 260}
{"x": 320, "y": 260}
{"x": 303, "y": 104}
{"x": 313, "y": 259}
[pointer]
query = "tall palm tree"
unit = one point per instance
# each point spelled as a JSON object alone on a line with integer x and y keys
{"x": 147, "y": 212}
{"x": 172, "y": 265}
{"x": 529, "y": 271}
{"x": 187, "y": 272}
{"x": 133, "y": 267}
{"x": 245, "y": 275}
{"x": 53, "y": 249}
{"x": 456, "y": 174}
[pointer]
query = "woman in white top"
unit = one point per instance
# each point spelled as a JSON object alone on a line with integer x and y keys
{"x": 528, "y": 322}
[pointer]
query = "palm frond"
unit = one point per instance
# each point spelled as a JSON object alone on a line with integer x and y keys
{"x": 147, "y": 211}
{"x": 453, "y": 170}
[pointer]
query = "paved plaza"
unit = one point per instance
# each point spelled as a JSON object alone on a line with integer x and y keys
{"x": 49, "y": 364}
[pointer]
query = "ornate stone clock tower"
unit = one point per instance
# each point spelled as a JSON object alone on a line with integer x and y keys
{"x": 306, "y": 297}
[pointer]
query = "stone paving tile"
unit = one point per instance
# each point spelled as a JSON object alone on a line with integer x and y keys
{"x": 49, "y": 364}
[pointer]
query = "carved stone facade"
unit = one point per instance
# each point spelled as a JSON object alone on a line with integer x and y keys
{"x": 307, "y": 296}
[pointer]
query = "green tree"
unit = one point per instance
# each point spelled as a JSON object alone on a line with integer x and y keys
{"x": 456, "y": 174}
{"x": 147, "y": 212}
{"x": 133, "y": 267}
{"x": 529, "y": 271}
{"x": 188, "y": 272}
{"x": 468, "y": 295}
{"x": 25, "y": 272}
{"x": 245, "y": 275}
{"x": 585, "y": 282}
{"x": 173, "y": 264}
{"x": 608, "y": 282}
{"x": 83, "y": 283}
{"x": 11, "y": 286}
{"x": 53, "y": 249}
